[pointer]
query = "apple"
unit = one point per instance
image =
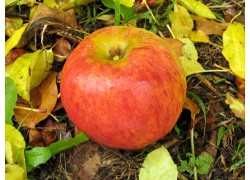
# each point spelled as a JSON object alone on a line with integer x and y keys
{"x": 124, "y": 87}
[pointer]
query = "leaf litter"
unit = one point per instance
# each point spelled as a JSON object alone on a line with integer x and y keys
{"x": 100, "y": 162}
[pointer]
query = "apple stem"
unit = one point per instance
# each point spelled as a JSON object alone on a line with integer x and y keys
{"x": 116, "y": 57}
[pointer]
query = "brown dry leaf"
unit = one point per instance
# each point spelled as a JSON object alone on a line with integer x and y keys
{"x": 240, "y": 84}
{"x": 48, "y": 16}
{"x": 85, "y": 160}
{"x": 209, "y": 26}
{"x": 61, "y": 50}
{"x": 41, "y": 138}
{"x": 192, "y": 107}
{"x": 176, "y": 45}
{"x": 49, "y": 93}
{"x": 13, "y": 55}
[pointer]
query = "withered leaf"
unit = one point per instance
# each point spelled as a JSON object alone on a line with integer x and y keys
{"x": 61, "y": 50}
{"x": 49, "y": 93}
{"x": 41, "y": 138}
{"x": 210, "y": 26}
{"x": 192, "y": 107}
{"x": 45, "y": 15}
{"x": 13, "y": 55}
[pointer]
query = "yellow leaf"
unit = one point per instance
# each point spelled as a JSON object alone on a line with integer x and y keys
{"x": 14, "y": 39}
{"x": 181, "y": 22}
{"x": 158, "y": 165}
{"x": 191, "y": 67}
{"x": 14, "y": 172}
{"x": 234, "y": 48}
{"x": 48, "y": 92}
{"x": 14, "y": 153}
{"x": 198, "y": 36}
{"x": 189, "y": 50}
{"x": 20, "y": 2}
{"x": 237, "y": 107}
{"x": 189, "y": 58}
{"x": 198, "y": 8}
{"x": 29, "y": 70}
{"x": 128, "y": 3}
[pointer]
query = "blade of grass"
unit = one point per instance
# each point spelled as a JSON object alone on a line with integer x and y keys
{"x": 117, "y": 12}
{"x": 202, "y": 106}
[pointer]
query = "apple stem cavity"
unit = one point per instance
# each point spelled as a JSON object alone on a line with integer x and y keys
{"x": 115, "y": 54}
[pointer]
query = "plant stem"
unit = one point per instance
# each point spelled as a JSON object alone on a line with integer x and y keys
{"x": 193, "y": 152}
{"x": 31, "y": 109}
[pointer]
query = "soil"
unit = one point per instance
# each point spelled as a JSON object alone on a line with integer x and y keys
{"x": 92, "y": 161}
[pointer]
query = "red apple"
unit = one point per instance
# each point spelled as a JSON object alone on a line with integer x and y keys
{"x": 124, "y": 87}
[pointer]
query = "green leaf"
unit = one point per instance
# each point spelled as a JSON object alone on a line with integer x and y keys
{"x": 40, "y": 155}
{"x": 126, "y": 12}
{"x": 29, "y": 70}
{"x": 37, "y": 156}
{"x": 14, "y": 39}
{"x": 234, "y": 48}
{"x": 221, "y": 133}
{"x": 10, "y": 99}
{"x": 61, "y": 145}
{"x": 203, "y": 163}
{"x": 198, "y": 8}
{"x": 14, "y": 153}
{"x": 158, "y": 165}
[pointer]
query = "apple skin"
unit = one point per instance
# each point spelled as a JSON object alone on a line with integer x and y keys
{"x": 127, "y": 103}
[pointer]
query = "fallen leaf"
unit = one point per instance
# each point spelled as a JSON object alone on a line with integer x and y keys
{"x": 181, "y": 22}
{"x": 88, "y": 156}
{"x": 29, "y": 70}
{"x": 189, "y": 58}
{"x": 40, "y": 155}
{"x": 14, "y": 172}
{"x": 241, "y": 85}
{"x": 40, "y": 138}
{"x": 64, "y": 5}
{"x": 198, "y": 37}
{"x": 158, "y": 165}
{"x": 10, "y": 99}
{"x": 45, "y": 15}
{"x": 12, "y": 25}
{"x": 49, "y": 93}
{"x": 237, "y": 107}
{"x": 13, "y": 55}
{"x": 15, "y": 161}
{"x": 210, "y": 26}
{"x": 192, "y": 107}
{"x": 14, "y": 39}
{"x": 61, "y": 50}
{"x": 198, "y": 8}
{"x": 234, "y": 48}
{"x": 189, "y": 50}
{"x": 176, "y": 45}
{"x": 20, "y": 2}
